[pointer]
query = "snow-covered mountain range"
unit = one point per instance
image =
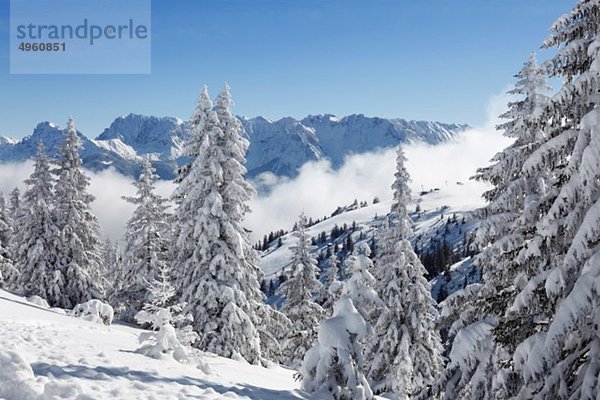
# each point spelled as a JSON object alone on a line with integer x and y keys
{"x": 280, "y": 147}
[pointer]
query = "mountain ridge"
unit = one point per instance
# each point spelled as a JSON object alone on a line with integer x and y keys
{"x": 278, "y": 146}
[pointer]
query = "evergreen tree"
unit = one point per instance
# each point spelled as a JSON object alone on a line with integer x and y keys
{"x": 559, "y": 299}
{"x": 111, "y": 261}
{"x": 359, "y": 286}
{"x": 147, "y": 241}
{"x": 216, "y": 268}
{"x": 8, "y": 273}
{"x": 333, "y": 287}
{"x": 298, "y": 304}
{"x": 6, "y": 223}
{"x": 508, "y": 223}
{"x": 406, "y": 348}
{"x": 78, "y": 244}
{"x": 335, "y": 363}
{"x": 36, "y": 235}
{"x": 163, "y": 316}
{"x": 15, "y": 202}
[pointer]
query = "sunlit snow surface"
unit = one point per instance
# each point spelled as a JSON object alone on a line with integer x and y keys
{"x": 45, "y": 355}
{"x": 452, "y": 198}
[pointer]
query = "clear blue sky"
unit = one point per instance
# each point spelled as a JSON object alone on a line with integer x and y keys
{"x": 415, "y": 59}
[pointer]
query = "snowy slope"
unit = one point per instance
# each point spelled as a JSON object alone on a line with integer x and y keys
{"x": 437, "y": 207}
{"x": 280, "y": 147}
{"x": 42, "y": 351}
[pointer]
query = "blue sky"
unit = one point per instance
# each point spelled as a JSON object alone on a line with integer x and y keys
{"x": 428, "y": 59}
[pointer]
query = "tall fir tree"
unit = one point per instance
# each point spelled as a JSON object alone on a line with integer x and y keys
{"x": 405, "y": 350}
{"x": 298, "y": 293}
{"x": 561, "y": 301}
{"x": 147, "y": 243}
{"x": 508, "y": 222}
{"x": 79, "y": 246}
{"x": 217, "y": 269}
{"x": 332, "y": 288}
{"x": 111, "y": 261}
{"x": 35, "y": 240}
{"x": 15, "y": 202}
{"x": 8, "y": 272}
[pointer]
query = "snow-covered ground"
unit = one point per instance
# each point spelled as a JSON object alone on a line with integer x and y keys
{"x": 452, "y": 198}
{"x": 47, "y": 355}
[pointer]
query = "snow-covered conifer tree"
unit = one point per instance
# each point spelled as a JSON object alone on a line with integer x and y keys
{"x": 8, "y": 273}
{"x": 405, "y": 350}
{"x": 15, "y": 202}
{"x": 147, "y": 243}
{"x": 561, "y": 301}
{"x": 163, "y": 316}
{"x": 359, "y": 286}
{"x": 216, "y": 267}
{"x": 273, "y": 334}
{"x": 332, "y": 288}
{"x": 6, "y": 222}
{"x": 78, "y": 251}
{"x": 482, "y": 337}
{"x": 36, "y": 235}
{"x": 334, "y": 365}
{"x": 111, "y": 264}
{"x": 298, "y": 293}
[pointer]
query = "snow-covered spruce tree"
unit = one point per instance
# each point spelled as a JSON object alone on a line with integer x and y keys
{"x": 359, "y": 286}
{"x": 482, "y": 338}
{"x": 561, "y": 357}
{"x": 6, "y": 222}
{"x": 15, "y": 202}
{"x": 215, "y": 265}
{"x": 332, "y": 288}
{"x": 147, "y": 243}
{"x": 405, "y": 351}
{"x": 111, "y": 260}
{"x": 8, "y": 273}
{"x": 79, "y": 247}
{"x": 163, "y": 316}
{"x": 334, "y": 365}
{"x": 298, "y": 293}
{"x": 35, "y": 236}
{"x": 273, "y": 334}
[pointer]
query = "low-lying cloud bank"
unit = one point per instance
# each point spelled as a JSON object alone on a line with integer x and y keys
{"x": 107, "y": 186}
{"x": 318, "y": 189}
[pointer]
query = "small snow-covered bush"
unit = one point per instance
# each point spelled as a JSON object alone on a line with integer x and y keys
{"x": 94, "y": 311}
{"x": 334, "y": 364}
{"x": 165, "y": 341}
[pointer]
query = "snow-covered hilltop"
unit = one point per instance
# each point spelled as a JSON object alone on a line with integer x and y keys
{"x": 280, "y": 147}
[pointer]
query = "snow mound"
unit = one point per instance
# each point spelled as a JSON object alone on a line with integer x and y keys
{"x": 94, "y": 311}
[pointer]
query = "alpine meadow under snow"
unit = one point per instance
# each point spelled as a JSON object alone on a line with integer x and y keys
{"x": 427, "y": 295}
